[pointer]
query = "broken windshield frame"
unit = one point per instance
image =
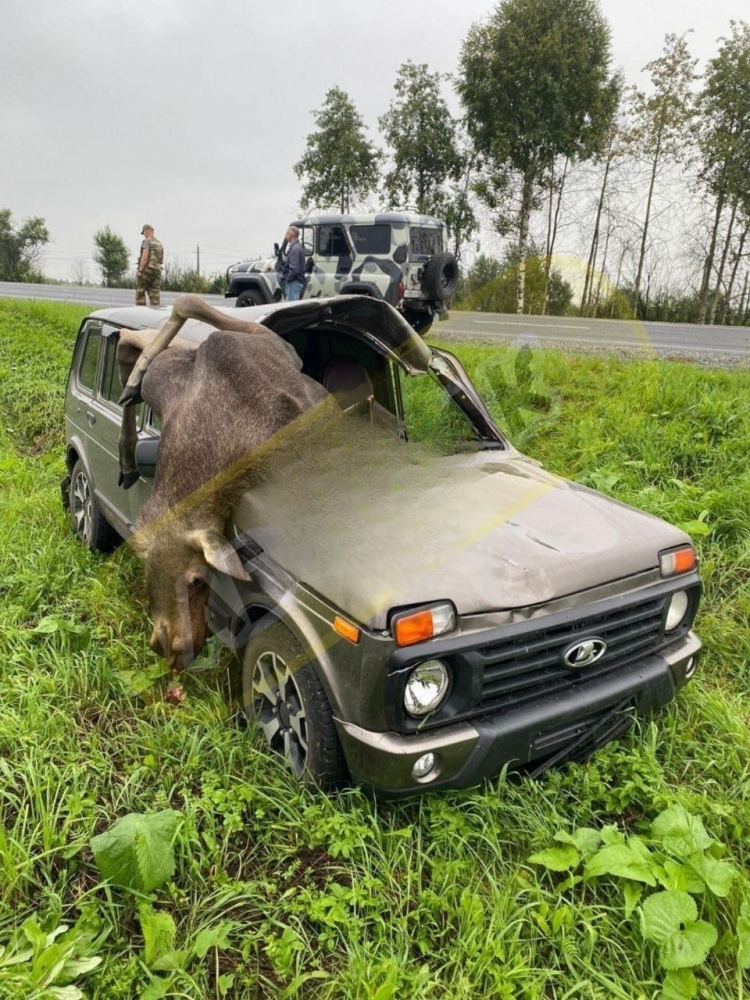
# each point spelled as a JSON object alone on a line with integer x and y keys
{"x": 454, "y": 379}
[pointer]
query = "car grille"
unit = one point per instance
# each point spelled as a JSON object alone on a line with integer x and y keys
{"x": 530, "y": 667}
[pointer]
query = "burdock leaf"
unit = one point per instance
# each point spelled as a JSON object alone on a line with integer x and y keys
{"x": 665, "y": 912}
{"x": 680, "y": 832}
{"x": 585, "y": 839}
{"x": 619, "y": 860}
{"x": 718, "y": 875}
{"x": 557, "y": 859}
{"x": 680, "y": 985}
{"x": 137, "y": 851}
{"x": 688, "y": 947}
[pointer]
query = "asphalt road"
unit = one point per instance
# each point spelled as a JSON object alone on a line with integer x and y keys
{"x": 724, "y": 344}
{"x": 101, "y": 297}
{"x": 709, "y": 344}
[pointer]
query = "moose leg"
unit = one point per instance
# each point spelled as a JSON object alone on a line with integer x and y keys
{"x": 129, "y": 348}
{"x": 131, "y": 394}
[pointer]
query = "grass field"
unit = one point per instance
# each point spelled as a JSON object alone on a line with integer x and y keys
{"x": 279, "y": 893}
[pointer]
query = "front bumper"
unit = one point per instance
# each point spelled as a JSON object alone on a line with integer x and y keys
{"x": 468, "y": 752}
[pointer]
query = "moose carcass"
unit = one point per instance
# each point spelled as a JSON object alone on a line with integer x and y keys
{"x": 224, "y": 406}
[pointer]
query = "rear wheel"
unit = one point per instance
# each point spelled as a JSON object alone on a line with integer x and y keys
{"x": 88, "y": 522}
{"x": 284, "y": 698}
{"x": 250, "y": 297}
{"x": 420, "y": 320}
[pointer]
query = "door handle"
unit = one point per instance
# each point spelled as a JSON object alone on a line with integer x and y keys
{"x": 91, "y": 417}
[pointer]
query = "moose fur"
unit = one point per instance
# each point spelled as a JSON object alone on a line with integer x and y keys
{"x": 225, "y": 406}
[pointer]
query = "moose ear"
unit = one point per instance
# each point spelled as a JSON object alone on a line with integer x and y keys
{"x": 218, "y": 553}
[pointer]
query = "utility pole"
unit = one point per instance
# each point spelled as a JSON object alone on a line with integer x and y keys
{"x": 198, "y": 259}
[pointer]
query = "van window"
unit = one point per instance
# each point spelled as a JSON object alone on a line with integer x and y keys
{"x": 424, "y": 240}
{"x": 371, "y": 239}
{"x": 90, "y": 358}
{"x": 332, "y": 242}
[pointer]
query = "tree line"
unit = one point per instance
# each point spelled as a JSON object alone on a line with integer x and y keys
{"x": 648, "y": 189}
{"x": 22, "y": 248}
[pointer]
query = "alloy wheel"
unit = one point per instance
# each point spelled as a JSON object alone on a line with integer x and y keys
{"x": 279, "y": 710}
{"x": 82, "y": 507}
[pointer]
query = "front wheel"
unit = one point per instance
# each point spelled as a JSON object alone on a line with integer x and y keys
{"x": 284, "y": 698}
{"x": 250, "y": 297}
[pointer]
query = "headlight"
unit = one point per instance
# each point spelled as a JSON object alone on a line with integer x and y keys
{"x": 678, "y": 607}
{"x": 426, "y": 687}
{"x": 425, "y": 623}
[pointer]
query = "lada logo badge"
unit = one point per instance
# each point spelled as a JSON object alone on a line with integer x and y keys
{"x": 584, "y": 653}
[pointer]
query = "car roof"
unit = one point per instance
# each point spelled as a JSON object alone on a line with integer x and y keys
{"x": 398, "y": 218}
{"x": 372, "y": 319}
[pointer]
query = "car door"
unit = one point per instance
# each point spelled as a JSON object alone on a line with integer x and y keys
{"x": 98, "y": 422}
{"x": 333, "y": 259}
{"x": 140, "y": 491}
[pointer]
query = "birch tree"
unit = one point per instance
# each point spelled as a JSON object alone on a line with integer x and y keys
{"x": 661, "y": 128}
{"x": 536, "y": 84}
{"x": 724, "y": 138}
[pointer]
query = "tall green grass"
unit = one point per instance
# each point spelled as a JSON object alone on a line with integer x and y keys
{"x": 345, "y": 897}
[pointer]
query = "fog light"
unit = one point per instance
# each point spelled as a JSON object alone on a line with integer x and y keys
{"x": 692, "y": 663}
{"x": 426, "y": 687}
{"x": 678, "y": 607}
{"x": 423, "y": 766}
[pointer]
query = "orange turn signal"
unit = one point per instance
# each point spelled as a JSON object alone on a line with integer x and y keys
{"x": 346, "y": 629}
{"x": 414, "y": 628}
{"x": 678, "y": 561}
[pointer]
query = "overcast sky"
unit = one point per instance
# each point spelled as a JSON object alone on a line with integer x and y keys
{"x": 190, "y": 115}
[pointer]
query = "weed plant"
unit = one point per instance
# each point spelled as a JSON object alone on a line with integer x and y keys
{"x": 280, "y": 893}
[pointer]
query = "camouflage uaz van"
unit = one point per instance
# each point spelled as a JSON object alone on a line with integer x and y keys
{"x": 399, "y": 257}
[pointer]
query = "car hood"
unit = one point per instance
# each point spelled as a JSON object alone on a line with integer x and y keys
{"x": 488, "y": 531}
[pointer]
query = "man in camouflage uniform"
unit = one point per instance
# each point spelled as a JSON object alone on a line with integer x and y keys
{"x": 149, "y": 269}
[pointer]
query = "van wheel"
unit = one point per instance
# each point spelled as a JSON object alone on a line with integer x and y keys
{"x": 284, "y": 698}
{"x": 250, "y": 297}
{"x": 88, "y": 522}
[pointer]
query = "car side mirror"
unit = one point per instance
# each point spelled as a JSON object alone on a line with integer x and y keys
{"x": 145, "y": 457}
{"x": 276, "y": 250}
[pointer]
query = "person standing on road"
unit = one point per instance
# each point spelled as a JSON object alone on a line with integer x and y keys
{"x": 150, "y": 264}
{"x": 293, "y": 275}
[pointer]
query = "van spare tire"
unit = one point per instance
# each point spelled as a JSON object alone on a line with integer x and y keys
{"x": 440, "y": 278}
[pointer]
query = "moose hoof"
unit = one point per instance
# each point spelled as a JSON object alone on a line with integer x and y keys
{"x": 127, "y": 479}
{"x": 131, "y": 396}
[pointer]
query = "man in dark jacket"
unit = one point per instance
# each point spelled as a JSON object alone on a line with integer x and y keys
{"x": 293, "y": 270}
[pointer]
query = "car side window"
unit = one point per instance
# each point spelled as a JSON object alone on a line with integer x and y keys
{"x": 371, "y": 239}
{"x": 90, "y": 358}
{"x": 332, "y": 241}
{"x": 111, "y": 390}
